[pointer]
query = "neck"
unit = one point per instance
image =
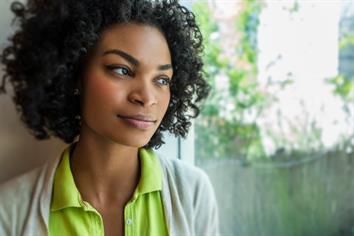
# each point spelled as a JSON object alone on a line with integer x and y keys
{"x": 104, "y": 171}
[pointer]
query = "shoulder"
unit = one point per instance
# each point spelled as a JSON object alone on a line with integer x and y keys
{"x": 19, "y": 185}
{"x": 183, "y": 172}
{"x": 15, "y": 195}
{"x": 192, "y": 188}
{"x": 23, "y": 185}
{"x": 190, "y": 182}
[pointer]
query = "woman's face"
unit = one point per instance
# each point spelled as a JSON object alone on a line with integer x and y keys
{"x": 126, "y": 81}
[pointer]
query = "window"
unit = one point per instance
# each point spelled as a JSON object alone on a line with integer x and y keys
{"x": 276, "y": 136}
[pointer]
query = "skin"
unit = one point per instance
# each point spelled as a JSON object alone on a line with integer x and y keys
{"x": 105, "y": 161}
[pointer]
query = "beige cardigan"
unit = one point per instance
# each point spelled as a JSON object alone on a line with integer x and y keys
{"x": 187, "y": 194}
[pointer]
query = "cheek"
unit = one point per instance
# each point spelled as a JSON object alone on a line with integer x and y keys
{"x": 165, "y": 102}
{"x": 99, "y": 92}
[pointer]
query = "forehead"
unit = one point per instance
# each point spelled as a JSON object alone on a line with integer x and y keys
{"x": 144, "y": 42}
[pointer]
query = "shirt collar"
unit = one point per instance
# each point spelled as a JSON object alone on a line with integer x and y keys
{"x": 66, "y": 194}
{"x": 151, "y": 173}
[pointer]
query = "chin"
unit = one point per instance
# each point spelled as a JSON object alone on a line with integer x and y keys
{"x": 135, "y": 142}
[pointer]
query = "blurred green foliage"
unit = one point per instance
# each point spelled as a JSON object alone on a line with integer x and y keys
{"x": 346, "y": 41}
{"x": 227, "y": 126}
{"x": 224, "y": 128}
{"x": 344, "y": 84}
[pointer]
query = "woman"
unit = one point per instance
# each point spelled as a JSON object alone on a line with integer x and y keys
{"x": 114, "y": 75}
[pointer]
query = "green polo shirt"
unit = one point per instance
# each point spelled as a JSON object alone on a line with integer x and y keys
{"x": 143, "y": 214}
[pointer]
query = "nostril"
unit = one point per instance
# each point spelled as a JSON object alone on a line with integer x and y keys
{"x": 143, "y": 97}
{"x": 139, "y": 102}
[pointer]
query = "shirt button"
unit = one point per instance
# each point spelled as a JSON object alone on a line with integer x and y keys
{"x": 129, "y": 221}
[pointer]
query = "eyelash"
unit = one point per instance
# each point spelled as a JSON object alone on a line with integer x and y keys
{"x": 111, "y": 68}
{"x": 166, "y": 80}
{"x": 115, "y": 67}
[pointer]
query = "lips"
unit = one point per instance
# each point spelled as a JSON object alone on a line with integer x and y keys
{"x": 138, "y": 121}
{"x": 138, "y": 117}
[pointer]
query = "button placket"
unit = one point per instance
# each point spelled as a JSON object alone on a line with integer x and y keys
{"x": 128, "y": 220}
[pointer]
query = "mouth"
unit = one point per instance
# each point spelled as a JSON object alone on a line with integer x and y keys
{"x": 138, "y": 121}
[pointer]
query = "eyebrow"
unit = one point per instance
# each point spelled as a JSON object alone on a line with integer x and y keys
{"x": 133, "y": 60}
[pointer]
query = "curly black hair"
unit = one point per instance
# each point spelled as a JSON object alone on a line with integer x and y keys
{"x": 47, "y": 52}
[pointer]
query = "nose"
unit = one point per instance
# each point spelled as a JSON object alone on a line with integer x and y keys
{"x": 143, "y": 94}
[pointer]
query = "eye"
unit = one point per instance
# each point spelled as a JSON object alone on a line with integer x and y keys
{"x": 164, "y": 81}
{"x": 120, "y": 70}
